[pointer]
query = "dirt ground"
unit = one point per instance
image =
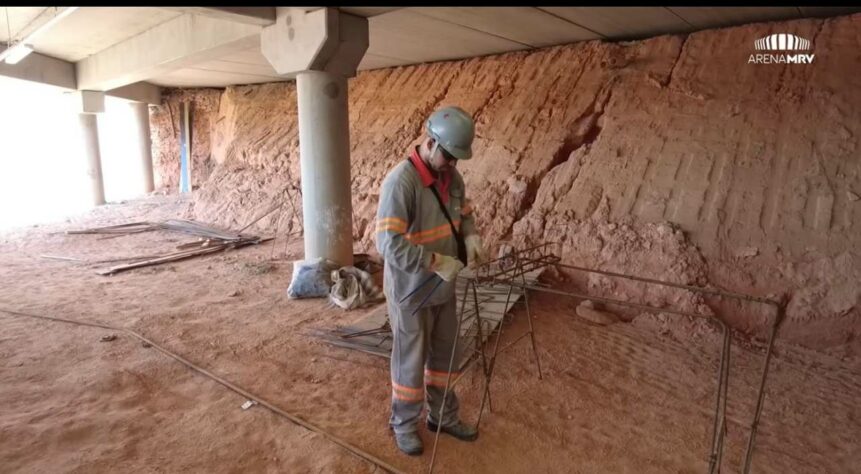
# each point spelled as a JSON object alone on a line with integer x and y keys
{"x": 619, "y": 398}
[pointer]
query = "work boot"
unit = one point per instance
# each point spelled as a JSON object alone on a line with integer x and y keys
{"x": 459, "y": 430}
{"x": 409, "y": 443}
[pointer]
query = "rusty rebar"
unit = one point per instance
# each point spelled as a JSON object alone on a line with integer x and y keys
{"x": 718, "y": 432}
{"x": 748, "y": 455}
{"x": 448, "y": 378}
{"x": 235, "y": 388}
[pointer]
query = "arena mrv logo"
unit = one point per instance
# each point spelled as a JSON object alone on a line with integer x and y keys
{"x": 775, "y": 49}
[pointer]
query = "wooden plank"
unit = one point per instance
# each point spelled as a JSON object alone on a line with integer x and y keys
{"x": 163, "y": 259}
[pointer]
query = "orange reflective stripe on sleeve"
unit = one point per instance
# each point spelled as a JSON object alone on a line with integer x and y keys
{"x": 432, "y": 235}
{"x": 393, "y": 224}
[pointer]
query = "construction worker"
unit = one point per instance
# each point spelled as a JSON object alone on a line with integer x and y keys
{"x": 422, "y": 243}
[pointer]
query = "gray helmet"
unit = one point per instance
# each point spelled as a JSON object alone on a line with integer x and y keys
{"x": 454, "y": 130}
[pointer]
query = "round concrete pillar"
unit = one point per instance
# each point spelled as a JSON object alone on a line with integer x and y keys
{"x": 142, "y": 130}
{"x": 324, "y": 157}
{"x": 90, "y": 135}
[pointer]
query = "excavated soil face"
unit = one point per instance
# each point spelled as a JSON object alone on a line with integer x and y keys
{"x": 670, "y": 158}
{"x": 166, "y": 122}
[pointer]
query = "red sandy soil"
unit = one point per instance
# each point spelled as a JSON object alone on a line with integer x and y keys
{"x": 620, "y": 398}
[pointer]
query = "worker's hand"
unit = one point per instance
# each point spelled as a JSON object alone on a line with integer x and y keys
{"x": 466, "y": 209}
{"x": 475, "y": 252}
{"x": 446, "y": 267}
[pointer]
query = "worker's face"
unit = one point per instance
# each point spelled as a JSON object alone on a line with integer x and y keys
{"x": 439, "y": 159}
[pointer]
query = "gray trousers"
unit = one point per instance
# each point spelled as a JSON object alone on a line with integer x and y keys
{"x": 421, "y": 352}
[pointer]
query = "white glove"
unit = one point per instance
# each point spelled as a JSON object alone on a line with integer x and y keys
{"x": 474, "y": 250}
{"x": 446, "y": 267}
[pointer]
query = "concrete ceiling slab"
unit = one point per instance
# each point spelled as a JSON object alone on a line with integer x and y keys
{"x": 623, "y": 23}
{"x": 526, "y": 25}
{"x": 194, "y": 77}
{"x": 716, "y": 17}
{"x": 255, "y": 59}
{"x": 410, "y": 35}
{"x": 89, "y": 30}
{"x": 367, "y": 12}
{"x": 373, "y": 61}
{"x": 18, "y": 18}
{"x": 398, "y": 35}
{"x": 828, "y": 11}
{"x": 222, "y": 65}
{"x": 248, "y": 56}
{"x": 262, "y": 16}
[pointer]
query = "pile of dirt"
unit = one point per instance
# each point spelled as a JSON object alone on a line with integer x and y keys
{"x": 671, "y": 158}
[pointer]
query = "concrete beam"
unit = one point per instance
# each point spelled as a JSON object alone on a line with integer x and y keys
{"x": 261, "y": 16}
{"x": 58, "y": 73}
{"x": 87, "y": 102}
{"x": 175, "y": 44}
{"x": 320, "y": 40}
{"x": 42, "y": 69}
{"x": 143, "y": 92}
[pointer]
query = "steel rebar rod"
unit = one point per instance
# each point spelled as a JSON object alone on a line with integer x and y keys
{"x": 748, "y": 455}
{"x": 529, "y": 320}
{"x": 697, "y": 289}
{"x": 417, "y": 288}
{"x": 447, "y": 381}
{"x": 295, "y": 419}
{"x": 426, "y": 298}
{"x": 719, "y": 425}
{"x": 480, "y": 340}
{"x": 721, "y": 399}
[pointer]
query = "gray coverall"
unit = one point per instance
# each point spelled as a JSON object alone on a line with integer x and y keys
{"x": 410, "y": 227}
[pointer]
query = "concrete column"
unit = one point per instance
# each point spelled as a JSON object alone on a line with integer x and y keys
{"x": 90, "y": 134}
{"x": 321, "y": 49}
{"x": 324, "y": 151}
{"x": 141, "y": 114}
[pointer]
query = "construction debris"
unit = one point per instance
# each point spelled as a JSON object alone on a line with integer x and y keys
{"x": 311, "y": 278}
{"x": 188, "y": 227}
{"x": 212, "y": 240}
{"x": 354, "y": 288}
{"x": 130, "y": 228}
{"x": 372, "y": 334}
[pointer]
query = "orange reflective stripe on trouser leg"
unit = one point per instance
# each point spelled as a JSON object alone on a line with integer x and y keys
{"x": 438, "y": 378}
{"x": 407, "y": 394}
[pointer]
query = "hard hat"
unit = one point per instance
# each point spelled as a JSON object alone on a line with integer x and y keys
{"x": 454, "y": 130}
